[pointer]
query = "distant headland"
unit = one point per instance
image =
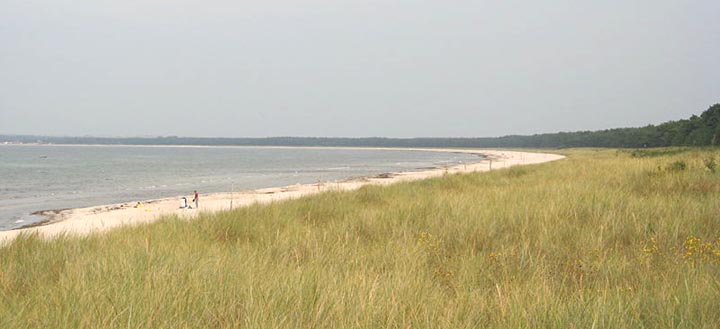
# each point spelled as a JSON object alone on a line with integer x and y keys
{"x": 702, "y": 130}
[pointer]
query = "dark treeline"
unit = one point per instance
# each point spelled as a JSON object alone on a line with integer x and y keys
{"x": 700, "y": 130}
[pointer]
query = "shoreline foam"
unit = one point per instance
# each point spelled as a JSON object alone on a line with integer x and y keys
{"x": 101, "y": 218}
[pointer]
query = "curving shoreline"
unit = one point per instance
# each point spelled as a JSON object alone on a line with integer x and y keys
{"x": 80, "y": 221}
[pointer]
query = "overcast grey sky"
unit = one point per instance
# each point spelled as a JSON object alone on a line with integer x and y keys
{"x": 353, "y": 68}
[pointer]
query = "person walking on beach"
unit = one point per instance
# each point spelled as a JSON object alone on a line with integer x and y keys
{"x": 196, "y": 199}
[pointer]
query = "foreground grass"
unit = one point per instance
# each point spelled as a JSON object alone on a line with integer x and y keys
{"x": 605, "y": 239}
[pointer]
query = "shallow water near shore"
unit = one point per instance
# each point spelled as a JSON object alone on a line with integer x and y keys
{"x": 42, "y": 177}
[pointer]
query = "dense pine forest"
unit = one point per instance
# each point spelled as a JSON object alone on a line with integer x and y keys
{"x": 702, "y": 130}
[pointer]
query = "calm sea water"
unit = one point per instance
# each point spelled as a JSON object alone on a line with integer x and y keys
{"x": 42, "y": 177}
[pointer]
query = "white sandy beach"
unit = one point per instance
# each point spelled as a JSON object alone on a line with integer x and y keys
{"x": 101, "y": 218}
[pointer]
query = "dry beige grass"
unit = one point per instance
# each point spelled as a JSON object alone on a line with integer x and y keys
{"x": 602, "y": 239}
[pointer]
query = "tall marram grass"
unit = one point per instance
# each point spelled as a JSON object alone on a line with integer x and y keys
{"x": 604, "y": 239}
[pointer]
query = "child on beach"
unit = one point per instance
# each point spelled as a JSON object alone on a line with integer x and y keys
{"x": 196, "y": 199}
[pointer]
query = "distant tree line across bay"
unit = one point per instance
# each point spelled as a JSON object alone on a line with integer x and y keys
{"x": 702, "y": 130}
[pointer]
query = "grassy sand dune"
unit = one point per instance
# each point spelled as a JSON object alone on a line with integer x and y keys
{"x": 604, "y": 238}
